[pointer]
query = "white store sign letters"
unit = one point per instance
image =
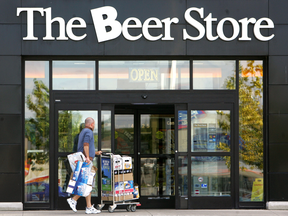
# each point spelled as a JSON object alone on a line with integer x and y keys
{"x": 116, "y": 28}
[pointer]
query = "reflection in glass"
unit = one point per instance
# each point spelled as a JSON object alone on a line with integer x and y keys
{"x": 210, "y": 130}
{"x": 144, "y": 75}
{"x": 64, "y": 177}
{"x": 213, "y": 74}
{"x": 36, "y": 131}
{"x": 73, "y": 75}
{"x": 183, "y": 175}
{"x": 69, "y": 124}
{"x": 124, "y": 134}
{"x": 157, "y": 134}
{"x": 106, "y": 131}
{"x": 182, "y": 131}
{"x": 251, "y": 131}
{"x": 210, "y": 176}
{"x": 157, "y": 177}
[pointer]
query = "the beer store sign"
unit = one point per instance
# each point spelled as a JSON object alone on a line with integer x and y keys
{"x": 107, "y": 27}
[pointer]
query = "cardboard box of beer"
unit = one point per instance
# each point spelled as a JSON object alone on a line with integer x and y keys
{"x": 123, "y": 177}
{"x": 127, "y": 163}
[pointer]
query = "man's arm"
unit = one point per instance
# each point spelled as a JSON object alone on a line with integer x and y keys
{"x": 98, "y": 153}
{"x": 86, "y": 152}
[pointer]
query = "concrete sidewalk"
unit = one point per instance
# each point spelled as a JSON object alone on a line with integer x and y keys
{"x": 154, "y": 212}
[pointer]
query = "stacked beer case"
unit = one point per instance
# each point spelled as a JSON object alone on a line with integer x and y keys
{"x": 121, "y": 169}
{"x": 117, "y": 181}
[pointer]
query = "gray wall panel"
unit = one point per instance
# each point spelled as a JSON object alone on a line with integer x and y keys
{"x": 8, "y": 152}
{"x": 10, "y": 70}
{"x": 8, "y": 11}
{"x": 10, "y": 42}
{"x": 10, "y": 129}
{"x": 278, "y": 11}
{"x": 278, "y": 100}
{"x": 11, "y": 187}
{"x": 160, "y": 9}
{"x": 88, "y": 46}
{"x": 121, "y": 46}
{"x": 220, "y": 47}
{"x": 278, "y": 160}
{"x": 278, "y": 45}
{"x": 235, "y": 9}
{"x": 277, "y": 187}
{"x": 278, "y": 70}
{"x": 278, "y": 124}
{"x": 66, "y": 9}
{"x": 10, "y": 99}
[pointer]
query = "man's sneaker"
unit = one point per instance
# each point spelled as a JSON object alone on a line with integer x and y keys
{"x": 72, "y": 203}
{"x": 92, "y": 210}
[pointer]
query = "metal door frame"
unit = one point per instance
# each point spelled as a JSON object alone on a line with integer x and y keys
{"x": 137, "y": 110}
{"x": 206, "y": 202}
{"x": 58, "y": 202}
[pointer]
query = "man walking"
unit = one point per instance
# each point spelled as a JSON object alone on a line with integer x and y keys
{"x": 86, "y": 145}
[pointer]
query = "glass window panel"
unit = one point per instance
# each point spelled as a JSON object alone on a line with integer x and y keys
{"x": 182, "y": 131}
{"x": 157, "y": 177}
{"x": 36, "y": 131}
{"x": 63, "y": 176}
{"x": 144, "y": 75}
{"x": 106, "y": 131}
{"x": 251, "y": 131}
{"x": 183, "y": 176}
{"x": 157, "y": 134}
{"x": 210, "y": 130}
{"x": 210, "y": 176}
{"x": 94, "y": 192}
{"x": 209, "y": 75}
{"x": 124, "y": 134}
{"x": 73, "y": 75}
{"x": 70, "y": 124}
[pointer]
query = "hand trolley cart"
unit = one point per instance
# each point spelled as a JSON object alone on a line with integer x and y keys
{"x": 117, "y": 183}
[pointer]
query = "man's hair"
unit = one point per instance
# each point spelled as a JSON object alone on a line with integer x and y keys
{"x": 89, "y": 121}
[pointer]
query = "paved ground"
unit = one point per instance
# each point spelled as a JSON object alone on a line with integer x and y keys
{"x": 150, "y": 212}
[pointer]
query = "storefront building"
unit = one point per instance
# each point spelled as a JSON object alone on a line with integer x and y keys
{"x": 193, "y": 90}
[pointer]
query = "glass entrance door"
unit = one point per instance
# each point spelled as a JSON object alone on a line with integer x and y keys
{"x": 205, "y": 179}
{"x": 148, "y": 136}
{"x": 69, "y": 121}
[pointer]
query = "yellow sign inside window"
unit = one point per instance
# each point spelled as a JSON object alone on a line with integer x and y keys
{"x": 257, "y": 190}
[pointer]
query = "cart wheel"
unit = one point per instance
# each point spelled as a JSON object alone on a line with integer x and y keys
{"x": 128, "y": 208}
{"x": 133, "y": 208}
{"x": 98, "y": 207}
{"x": 110, "y": 209}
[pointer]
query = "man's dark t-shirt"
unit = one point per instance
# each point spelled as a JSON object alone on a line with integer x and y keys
{"x": 76, "y": 143}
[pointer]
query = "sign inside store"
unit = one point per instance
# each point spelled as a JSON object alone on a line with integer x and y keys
{"x": 200, "y": 179}
{"x": 143, "y": 74}
{"x": 107, "y": 27}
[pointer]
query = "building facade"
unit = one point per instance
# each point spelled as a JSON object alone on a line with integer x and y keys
{"x": 193, "y": 90}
